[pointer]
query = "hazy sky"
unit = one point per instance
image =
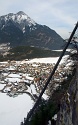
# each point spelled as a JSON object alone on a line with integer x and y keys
{"x": 59, "y": 15}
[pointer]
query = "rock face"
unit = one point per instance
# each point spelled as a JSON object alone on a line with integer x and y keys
{"x": 68, "y": 114}
{"x": 20, "y": 29}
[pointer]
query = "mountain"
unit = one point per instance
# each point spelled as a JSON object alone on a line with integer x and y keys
{"x": 19, "y": 29}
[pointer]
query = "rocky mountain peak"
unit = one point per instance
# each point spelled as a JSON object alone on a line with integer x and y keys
{"x": 20, "y": 19}
{"x": 21, "y": 13}
{"x": 20, "y": 29}
{"x": 10, "y": 14}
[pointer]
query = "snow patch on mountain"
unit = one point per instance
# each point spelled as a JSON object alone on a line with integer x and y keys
{"x": 19, "y": 18}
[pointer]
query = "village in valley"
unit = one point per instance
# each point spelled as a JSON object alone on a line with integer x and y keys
{"x": 18, "y": 77}
{"x": 21, "y": 82}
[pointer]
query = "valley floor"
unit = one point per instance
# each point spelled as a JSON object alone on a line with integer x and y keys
{"x": 21, "y": 83}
